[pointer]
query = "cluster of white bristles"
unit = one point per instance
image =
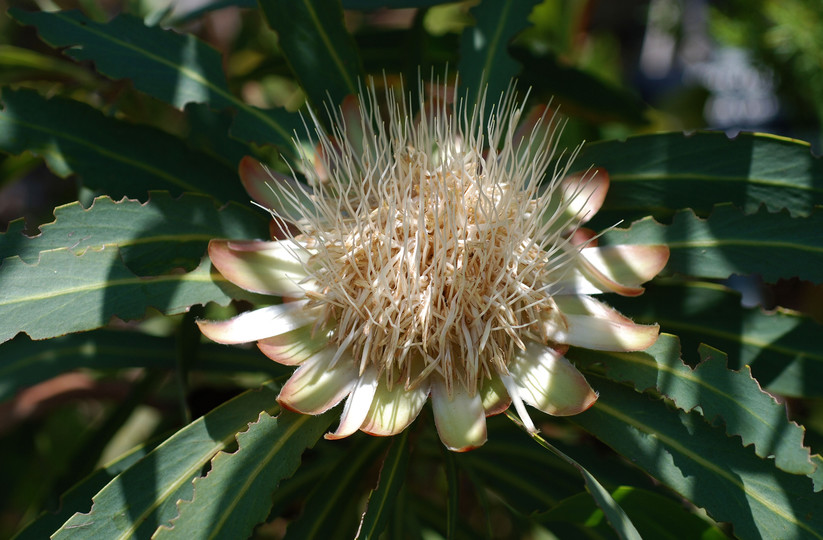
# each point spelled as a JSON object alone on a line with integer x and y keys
{"x": 435, "y": 242}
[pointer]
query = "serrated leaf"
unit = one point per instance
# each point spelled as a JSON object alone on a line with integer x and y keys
{"x": 236, "y": 494}
{"x": 658, "y": 174}
{"x": 175, "y": 68}
{"x": 484, "y": 56}
{"x": 320, "y": 51}
{"x": 111, "y": 155}
{"x": 732, "y": 242}
{"x": 326, "y": 509}
{"x": 154, "y": 237}
{"x": 734, "y": 397}
{"x": 704, "y": 465}
{"x": 145, "y": 496}
{"x": 66, "y": 293}
{"x": 382, "y": 500}
{"x": 78, "y": 498}
{"x": 782, "y": 348}
{"x": 24, "y": 362}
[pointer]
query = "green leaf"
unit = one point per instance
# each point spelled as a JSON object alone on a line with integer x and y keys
{"x": 484, "y": 56}
{"x": 145, "y": 496}
{"x": 705, "y": 466}
{"x": 318, "y": 48}
{"x": 20, "y": 64}
{"x": 24, "y": 362}
{"x": 382, "y": 500}
{"x": 154, "y": 237}
{"x": 655, "y": 515}
{"x": 731, "y": 396}
{"x": 175, "y": 68}
{"x": 732, "y": 242}
{"x": 577, "y": 93}
{"x": 78, "y": 498}
{"x": 117, "y": 157}
{"x": 617, "y": 518}
{"x": 236, "y": 494}
{"x": 657, "y": 174}
{"x": 208, "y": 132}
{"x": 781, "y": 347}
{"x": 326, "y": 509}
{"x": 66, "y": 293}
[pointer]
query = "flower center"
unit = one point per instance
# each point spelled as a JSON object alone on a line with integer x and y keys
{"x": 434, "y": 267}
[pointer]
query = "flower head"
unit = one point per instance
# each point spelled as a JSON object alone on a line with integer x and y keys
{"x": 429, "y": 257}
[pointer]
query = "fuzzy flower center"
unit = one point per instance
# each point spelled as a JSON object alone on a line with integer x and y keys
{"x": 432, "y": 265}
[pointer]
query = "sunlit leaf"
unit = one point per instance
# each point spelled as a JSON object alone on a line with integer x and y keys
{"x": 145, "y": 496}
{"x": 66, "y": 293}
{"x": 318, "y": 48}
{"x": 111, "y": 155}
{"x": 729, "y": 241}
{"x": 733, "y": 397}
{"x": 781, "y": 347}
{"x": 154, "y": 237}
{"x": 704, "y": 465}
{"x": 236, "y": 494}
{"x": 484, "y": 56}
{"x": 172, "y": 67}
{"x": 661, "y": 173}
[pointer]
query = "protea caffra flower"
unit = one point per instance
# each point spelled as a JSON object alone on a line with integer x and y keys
{"x": 428, "y": 256}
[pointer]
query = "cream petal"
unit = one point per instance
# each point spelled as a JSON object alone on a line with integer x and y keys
{"x": 358, "y": 405}
{"x": 460, "y": 418}
{"x": 619, "y": 269}
{"x": 263, "y": 267}
{"x": 494, "y": 396}
{"x": 279, "y": 193}
{"x": 593, "y": 325}
{"x": 393, "y": 410}
{"x": 295, "y": 347}
{"x": 549, "y": 382}
{"x": 317, "y": 386}
{"x": 258, "y": 324}
{"x": 584, "y": 193}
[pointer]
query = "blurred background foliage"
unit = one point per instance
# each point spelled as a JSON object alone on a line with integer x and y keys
{"x": 614, "y": 68}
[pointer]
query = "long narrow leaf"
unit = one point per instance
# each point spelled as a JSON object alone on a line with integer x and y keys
{"x": 236, "y": 494}
{"x": 704, "y": 465}
{"x": 66, "y": 293}
{"x": 382, "y": 499}
{"x": 317, "y": 46}
{"x": 484, "y": 56}
{"x": 781, "y": 347}
{"x": 658, "y": 174}
{"x": 145, "y": 496}
{"x": 110, "y": 155}
{"x": 720, "y": 393}
{"x": 174, "y": 68}
{"x": 732, "y": 242}
{"x": 154, "y": 237}
{"x": 617, "y": 518}
{"x": 24, "y": 362}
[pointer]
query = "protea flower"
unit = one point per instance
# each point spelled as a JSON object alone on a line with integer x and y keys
{"x": 433, "y": 256}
